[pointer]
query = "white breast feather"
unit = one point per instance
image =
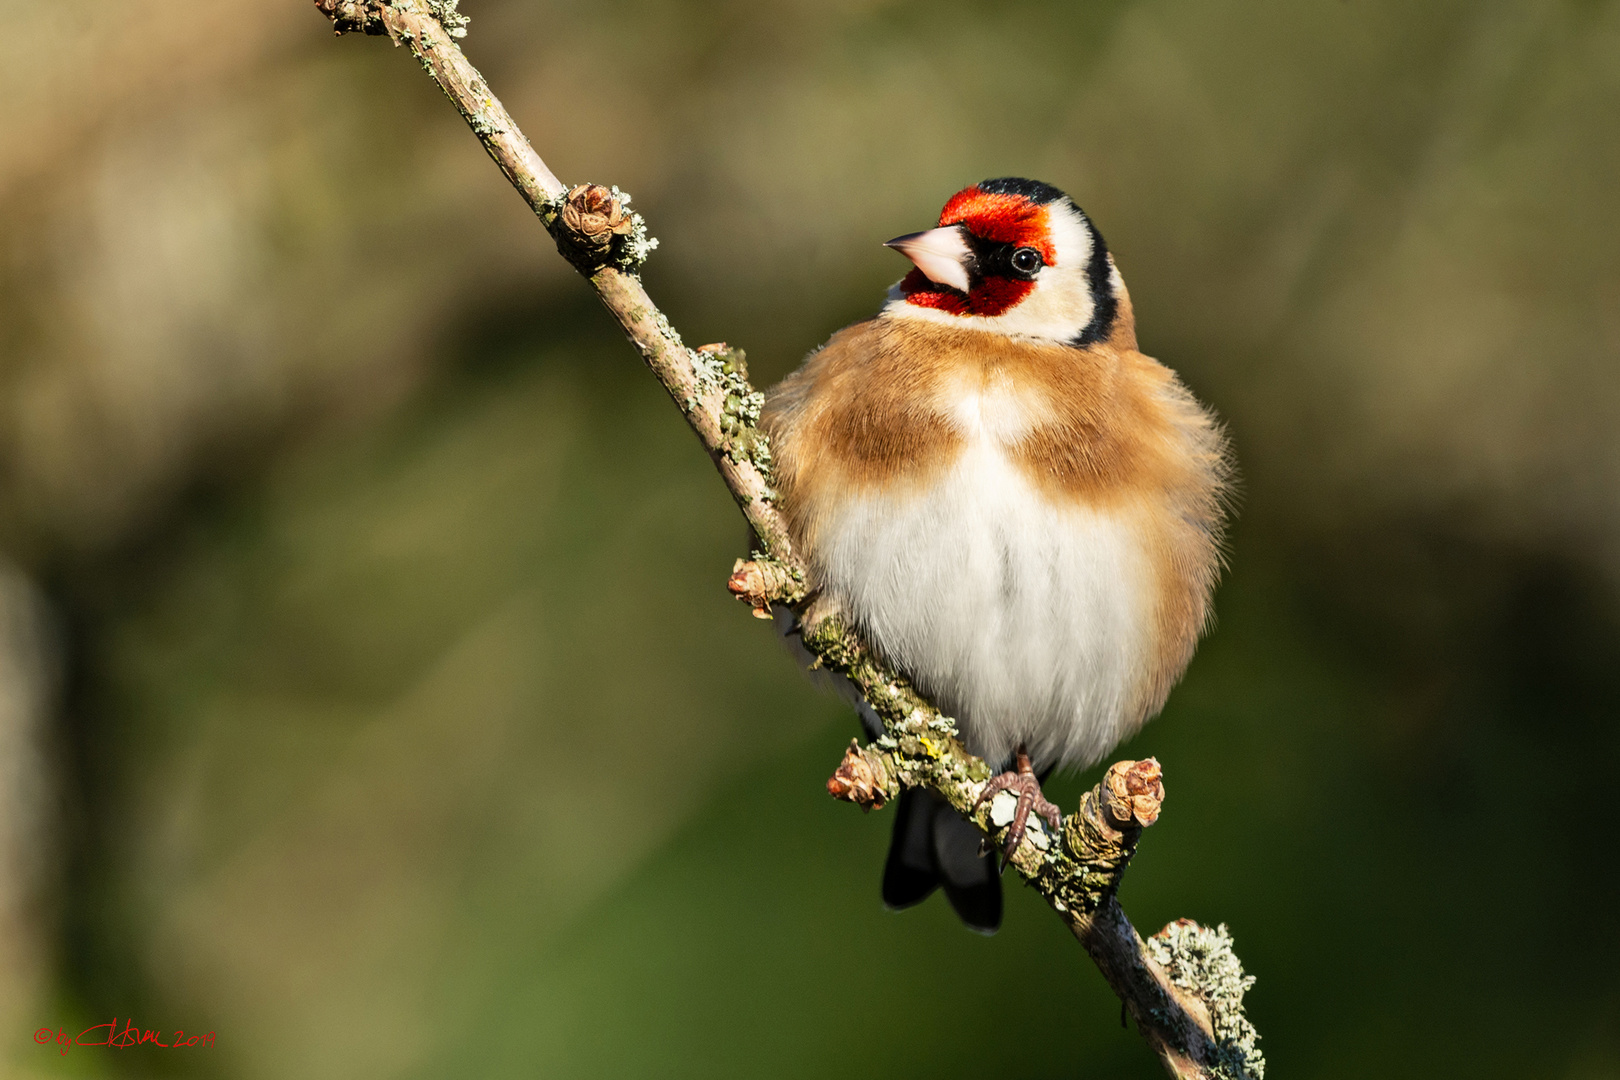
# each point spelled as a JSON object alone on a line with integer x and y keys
{"x": 1026, "y": 620}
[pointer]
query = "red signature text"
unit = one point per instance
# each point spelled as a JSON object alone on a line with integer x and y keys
{"x": 109, "y": 1035}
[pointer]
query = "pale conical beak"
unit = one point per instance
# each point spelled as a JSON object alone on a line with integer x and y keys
{"x": 941, "y": 254}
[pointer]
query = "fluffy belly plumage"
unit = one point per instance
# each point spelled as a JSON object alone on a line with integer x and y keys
{"x": 1026, "y": 619}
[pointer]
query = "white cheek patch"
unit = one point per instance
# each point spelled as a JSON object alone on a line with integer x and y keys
{"x": 1071, "y": 239}
{"x": 1057, "y": 309}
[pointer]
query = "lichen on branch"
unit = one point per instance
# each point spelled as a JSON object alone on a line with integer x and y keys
{"x": 1201, "y": 961}
{"x": 453, "y": 21}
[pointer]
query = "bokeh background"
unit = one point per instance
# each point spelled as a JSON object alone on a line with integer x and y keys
{"x": 368, "y": 690}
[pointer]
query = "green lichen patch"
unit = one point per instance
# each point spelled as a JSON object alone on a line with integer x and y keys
{"x": 923, "y": 743}
{"x": 632, "y": 250}
{"x": 550, "y": 208}
{"x": 723, "y": 372}
{"x": 1201, "y": 961}
{"x": 833, "y": 645}
{"x": 453, "y": 21}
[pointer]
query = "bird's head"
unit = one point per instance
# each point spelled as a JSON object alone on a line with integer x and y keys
{"x": 1016, "y": 257}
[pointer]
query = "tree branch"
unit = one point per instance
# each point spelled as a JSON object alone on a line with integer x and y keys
{"x": 1185, "y": 987}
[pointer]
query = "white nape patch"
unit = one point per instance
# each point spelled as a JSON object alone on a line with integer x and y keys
{"x": 1029, "y": 622}
{"x": 1057, "y": 309}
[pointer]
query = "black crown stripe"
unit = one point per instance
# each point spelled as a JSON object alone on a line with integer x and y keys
{"x": 1033, "y": 190}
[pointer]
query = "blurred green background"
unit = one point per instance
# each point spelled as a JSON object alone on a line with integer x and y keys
{"x": 368, "y": 690}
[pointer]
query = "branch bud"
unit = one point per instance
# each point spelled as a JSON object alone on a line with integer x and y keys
{"x": 1102, "y": 834}
{"x": 1133, "y": 792}
{"x": 860, "y": 778}
{"x": 757, "y": 583}
{"x": 591, "y": 217}
{"x": 595, "y": 227}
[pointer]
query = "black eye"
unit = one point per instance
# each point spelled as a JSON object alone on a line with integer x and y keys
{"x": 1027, "y": 260}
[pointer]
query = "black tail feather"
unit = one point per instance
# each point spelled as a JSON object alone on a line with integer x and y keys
{"x": 909, "y": 875}
{"x": 934, "y": 846}
{"x": 972, "y": 883}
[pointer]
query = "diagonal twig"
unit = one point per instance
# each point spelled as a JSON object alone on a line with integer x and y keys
{"x": 1184, "y": 986}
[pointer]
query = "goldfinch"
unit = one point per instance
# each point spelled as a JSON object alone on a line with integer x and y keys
{"x": 1017, "y": 509}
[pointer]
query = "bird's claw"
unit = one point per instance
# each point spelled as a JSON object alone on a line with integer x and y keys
{"x": 1022, "y": 781}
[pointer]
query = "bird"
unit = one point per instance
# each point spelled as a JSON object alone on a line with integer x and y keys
{"x": 1011, "y": 504}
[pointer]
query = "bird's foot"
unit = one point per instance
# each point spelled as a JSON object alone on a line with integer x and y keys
{"x": 1022, "y": 781}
